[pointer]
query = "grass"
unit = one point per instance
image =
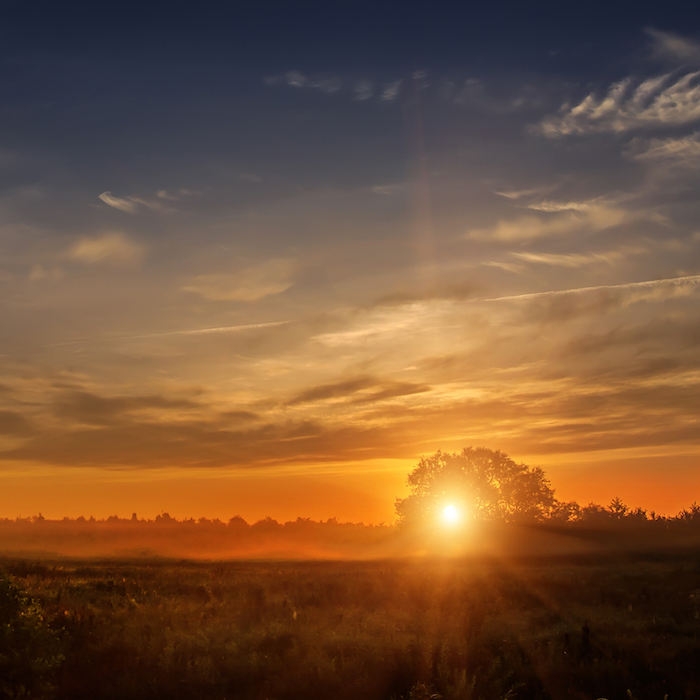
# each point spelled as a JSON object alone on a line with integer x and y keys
{"x": 577, "y": 627}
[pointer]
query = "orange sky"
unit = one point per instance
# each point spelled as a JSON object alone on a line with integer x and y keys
{"x": 352, "y": 493}
{"x": 272, "y": 295}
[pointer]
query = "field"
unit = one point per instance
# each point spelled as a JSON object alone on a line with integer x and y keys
{"x": 584, "y": 626}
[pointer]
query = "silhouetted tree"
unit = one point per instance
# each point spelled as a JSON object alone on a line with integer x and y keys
{"x": 565, "y": 512}
{"x": 595, "y": 514}
{"x": 617, "y": 508}
{"x": 486, "y": 484}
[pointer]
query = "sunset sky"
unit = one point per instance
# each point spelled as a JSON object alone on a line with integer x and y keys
{"x": 258, "y": 261}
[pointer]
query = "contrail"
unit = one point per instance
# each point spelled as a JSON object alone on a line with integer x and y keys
{"x": 202, "y": 331}
{"x": 675, "y": 281}
{"x": 196, "y": 331}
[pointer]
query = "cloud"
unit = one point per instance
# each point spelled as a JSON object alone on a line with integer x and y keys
{"x": 673, "y": 285}
{"x": 363, "y": 389}
{"x": 683, "y": 151}
{"x": 671, "y": 334}
{"x": 574, "y": 260}
{"x": 131, "y": 204}
{"x": 252, "y": 284}
{"x": 657, "y": 102}
{"x": 110, "y": 248}
{"x": 517, "y": 194}
{"x": 14, "y": 424}
{"x": 121, "y": 204}
{"x": 384, "y": 326}
{"x": 90, "y": 408}
{"x": 508, "y": 267}
{"x": 390, "y": 91}
{"x": 550, "y": 206}
{"x": 296, "y": 79}
{"x": 560, "y": 220}
{"x": 333, "y": 391}
{"x": 671, "y": 46}
{"x": 38, "y": 272}
{"x": 618, "y": 417}
{"x": 363, "y": 90}
{"x": 563, "y": 308}
{"x": 153, "y": 431}
{"x": 444, "y": 291}
{"x": 327, "y": 83}
{"x": 192, "y": 332}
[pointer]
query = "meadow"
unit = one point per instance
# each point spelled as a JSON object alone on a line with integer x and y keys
{"x": 589, "y": 625}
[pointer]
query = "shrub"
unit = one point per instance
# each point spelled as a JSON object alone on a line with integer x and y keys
{"x": 29, "y": 649}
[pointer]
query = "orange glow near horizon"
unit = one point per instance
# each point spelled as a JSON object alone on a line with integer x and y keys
{"x": 351, "y": 493}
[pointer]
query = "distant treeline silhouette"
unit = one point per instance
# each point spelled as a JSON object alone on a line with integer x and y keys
{"x": 168, "y": 536}
{"x": 569, "y": 512}
{"x": 501, "y": 504}
{"x": 305, "y": 538}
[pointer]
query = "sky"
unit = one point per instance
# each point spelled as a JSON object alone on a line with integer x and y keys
{"x": 259, "y": 259}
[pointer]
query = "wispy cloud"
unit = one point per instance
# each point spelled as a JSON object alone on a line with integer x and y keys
{"x": 682, "y": 283}
{"x": 192, "y": 331}
{"x": 663, "y": 101}
{"x": 671, "y": 46}
{"x": 131, "y": 205}
{"x": 390, "y": 91}
{"x": 560, "y": 219}
{"x": 327, "y": 83}
{"x": 574, "y": 260}
{"x": 249, "y": 177}
{"x": 683, "y": 151}
{"x": 443, "y": 291}
{"x": 362, "y": 389}
{"x": 40, "y": 273}
{"x": 550, "y": 206}
{"x": 117, "y": 203}
{"x": 389, "y": 189}
{"x": 517, "y": 194}
{"x": 363, "y": 90}
{"x": 207, "y": 331}
{"x": 251, "y": 284}
{"x": 151, "y": 431}
{"x": 110, "y": 248}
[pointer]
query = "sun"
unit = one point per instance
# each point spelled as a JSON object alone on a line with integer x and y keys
{"x": 450, "y": 515}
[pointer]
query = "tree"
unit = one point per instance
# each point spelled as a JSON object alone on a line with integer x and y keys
{"x": 617, "y": 508}
{"x": 565, "y": 512}
{"x": 485, "y": 484}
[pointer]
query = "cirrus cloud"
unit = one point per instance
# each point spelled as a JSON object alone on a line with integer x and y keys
{"x": 111, "y": 248}
{"x": 662, "y": 101}
{"x": 251, "y": 284}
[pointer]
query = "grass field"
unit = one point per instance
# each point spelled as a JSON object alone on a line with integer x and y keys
{"x": 578, "y": 627}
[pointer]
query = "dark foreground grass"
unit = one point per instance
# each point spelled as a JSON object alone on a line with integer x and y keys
{"x": 586, "y": 627}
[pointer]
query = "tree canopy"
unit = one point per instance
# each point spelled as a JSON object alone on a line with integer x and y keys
{"x": 485, "y": 484}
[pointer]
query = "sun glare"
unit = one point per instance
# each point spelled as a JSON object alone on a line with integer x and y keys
{"x": 450, "y": 515}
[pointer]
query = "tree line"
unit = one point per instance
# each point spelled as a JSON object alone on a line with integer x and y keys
{"x": 487, "y": 485}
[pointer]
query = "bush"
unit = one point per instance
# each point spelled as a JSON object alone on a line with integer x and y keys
{"x": 29, "y": 649}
